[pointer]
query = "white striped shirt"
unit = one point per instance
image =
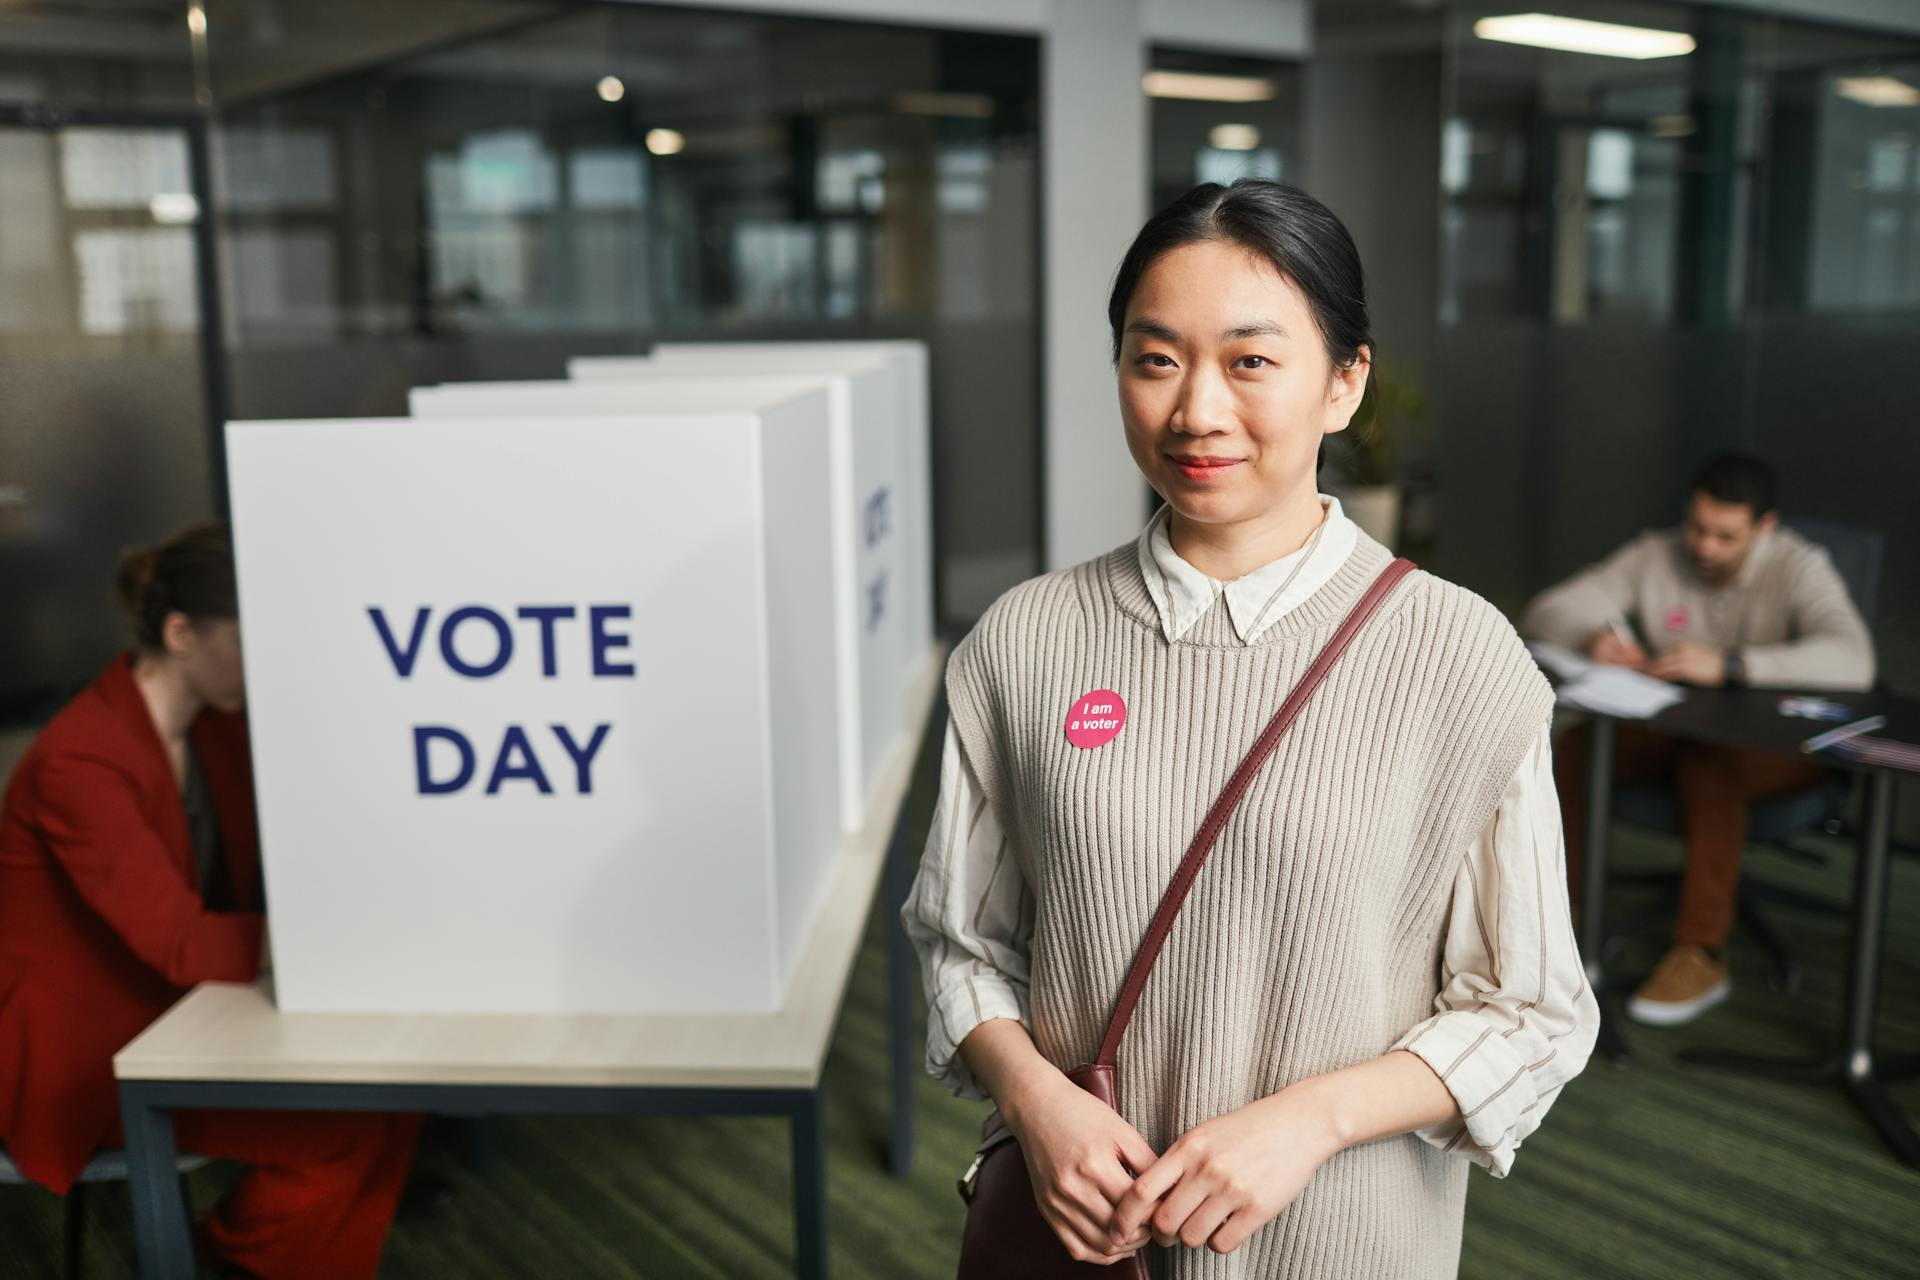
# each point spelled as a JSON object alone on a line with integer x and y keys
{"x": 1511, "y": 984}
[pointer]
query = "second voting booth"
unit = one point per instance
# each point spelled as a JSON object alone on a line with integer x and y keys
{"x": 882, "y": 592}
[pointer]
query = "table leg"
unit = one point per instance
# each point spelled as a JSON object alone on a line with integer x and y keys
{"x": 1854, "y": 1067}
{"x": 165, "y": 1245}
{"x": 809, "y": 1187}
{"x": 1593, "y": 915}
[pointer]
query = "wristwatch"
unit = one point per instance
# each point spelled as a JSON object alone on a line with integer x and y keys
{"x": 1734, "y": 676}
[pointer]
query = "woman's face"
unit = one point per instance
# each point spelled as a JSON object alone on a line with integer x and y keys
{"x": 209, "y": 655}
{"x": 1226, "y": 387}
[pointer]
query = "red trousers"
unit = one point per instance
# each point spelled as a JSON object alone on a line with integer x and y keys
{"x": 320, "y": 1195}
{"x": 1715, "y": 784}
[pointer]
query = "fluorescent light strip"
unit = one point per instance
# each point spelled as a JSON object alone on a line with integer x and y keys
{"x": 1233, "y": 137}
{"x": 1877, "y": 91}
{"x": 1577, "y": 35}
{"x": 1199, "y": 87}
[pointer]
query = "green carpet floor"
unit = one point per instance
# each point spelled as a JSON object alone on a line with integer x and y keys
{"x": 1653, "y": 1170}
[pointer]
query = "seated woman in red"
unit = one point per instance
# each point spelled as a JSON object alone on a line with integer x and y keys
{"x": 129, "y": 871}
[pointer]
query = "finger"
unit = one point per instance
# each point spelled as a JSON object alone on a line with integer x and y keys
{"x": 1111, "y": 1179}
{"x": 1205, "y": 1220}
{"x": 1100, "y": 1210}
{"x": 1093, "y": 1208}
{"x": 1175, "y": 1208}
{"x": 1135, "y": 1151}
{"x": 1082, "y": 1238}
{"x": 1131, "y": 1211}
{"x": 1234, "y": 1231}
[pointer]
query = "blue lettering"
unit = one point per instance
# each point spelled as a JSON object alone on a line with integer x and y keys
{"x": 598, "y": 616}
{"x": 501, "y": 633}
{"x": 583, "y": 756}
{"x": 879, "y": 516}
{"x": 426, "y": 733}
{"x": 403, "y": 659}
{"x": 546, "y": 615}
{"x": 503, "y": 768}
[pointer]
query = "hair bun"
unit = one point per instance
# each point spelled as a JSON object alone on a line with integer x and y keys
{"x": 135, "y": 579}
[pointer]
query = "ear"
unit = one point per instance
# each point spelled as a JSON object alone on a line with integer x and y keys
{"x": 177, "y": 635}
{"x": 1768, "y": 522}
{"x": 1345, "y": 389}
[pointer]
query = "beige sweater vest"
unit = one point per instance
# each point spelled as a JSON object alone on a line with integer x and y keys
{"x": 1313, "y": 935}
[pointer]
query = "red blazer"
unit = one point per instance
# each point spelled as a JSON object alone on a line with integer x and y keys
{"x": 101, "y": 923}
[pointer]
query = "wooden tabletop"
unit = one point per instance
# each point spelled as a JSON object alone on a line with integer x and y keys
{"x": 232, "y": 1031}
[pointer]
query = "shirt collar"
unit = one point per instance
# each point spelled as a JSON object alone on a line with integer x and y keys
{"x": 1182, "y": 594}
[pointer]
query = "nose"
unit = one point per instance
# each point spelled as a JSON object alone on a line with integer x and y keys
{"x": 1205, "y": 404}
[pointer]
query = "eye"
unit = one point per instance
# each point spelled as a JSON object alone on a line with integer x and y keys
{"x": 1254, "y": 362}
{"x": 1148, "y": 361}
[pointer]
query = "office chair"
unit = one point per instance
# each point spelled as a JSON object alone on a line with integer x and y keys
{"x": 106, "y": 1166}
{"x": 1857, "y": 554}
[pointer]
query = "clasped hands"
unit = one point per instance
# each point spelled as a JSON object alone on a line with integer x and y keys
{"x": 1215, "y": 1186}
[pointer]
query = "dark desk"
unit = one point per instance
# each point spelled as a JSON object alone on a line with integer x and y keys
{"x": 1751, "y": 719}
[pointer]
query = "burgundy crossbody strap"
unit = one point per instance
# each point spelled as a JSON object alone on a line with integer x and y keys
{"x": 1209, "y": 832}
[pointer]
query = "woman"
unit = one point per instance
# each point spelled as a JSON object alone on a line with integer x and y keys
{"x": 1374, "y": 980}
{"x": 129, "y": 871}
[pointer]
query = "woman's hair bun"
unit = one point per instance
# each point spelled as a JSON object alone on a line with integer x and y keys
{"x": 190, "y": 573}
{"x": 134, "y": 580}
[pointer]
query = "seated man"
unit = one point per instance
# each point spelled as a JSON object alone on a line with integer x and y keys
{"x": 1729, "y": 599}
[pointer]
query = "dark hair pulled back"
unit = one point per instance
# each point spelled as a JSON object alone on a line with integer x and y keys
{"x": 190, "y": 573}
{"x": 1292, "y": 231}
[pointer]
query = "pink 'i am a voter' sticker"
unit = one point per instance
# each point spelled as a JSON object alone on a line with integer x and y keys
{"x": 1096, "y": 718}
{"x": 1678, "y": 617}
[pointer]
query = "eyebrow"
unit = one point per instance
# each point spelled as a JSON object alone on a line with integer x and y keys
{"x": 1252, "y": 329}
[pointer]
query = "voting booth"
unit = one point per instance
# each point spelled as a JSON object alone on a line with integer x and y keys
{"x": 539, "y": 705}
{"x": 878, "y": 393}
{"x": 875, "y": 649}
{"x": 909, "y": 361}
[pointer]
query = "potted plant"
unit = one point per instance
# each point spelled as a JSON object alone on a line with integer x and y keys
{"x": 1371, "y": 454}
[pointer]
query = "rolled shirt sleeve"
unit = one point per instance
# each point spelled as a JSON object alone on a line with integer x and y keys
{"x": 970, "y": 918}
{"x": 1515, "y": 1018}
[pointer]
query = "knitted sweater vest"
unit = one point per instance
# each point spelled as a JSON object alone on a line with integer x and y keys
{"x": 1312, "y": 938}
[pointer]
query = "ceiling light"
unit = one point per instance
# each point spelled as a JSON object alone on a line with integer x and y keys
{"x": 1577, "y": 35}
{"x": 1207, "y": 88}
{"x": 1233, "y": 137}
{"x": 172, "y": 208}
{"x": 1877, "y": 91}
{"x": 666, "y": 142}
{"x": 610, "y": 89}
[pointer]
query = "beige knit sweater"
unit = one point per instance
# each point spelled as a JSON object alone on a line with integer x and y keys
{"x": 1312, "y": 937}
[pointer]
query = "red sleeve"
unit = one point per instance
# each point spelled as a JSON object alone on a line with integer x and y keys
{"x": 90, "y": 819}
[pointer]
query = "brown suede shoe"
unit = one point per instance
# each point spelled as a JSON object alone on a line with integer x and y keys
{"x": 1684, "y": 985}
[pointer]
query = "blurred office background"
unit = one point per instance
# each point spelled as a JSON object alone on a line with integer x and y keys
{"x": 1588, "y": 272}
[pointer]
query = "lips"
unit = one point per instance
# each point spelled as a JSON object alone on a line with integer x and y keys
{"x": 1198, "y": 467}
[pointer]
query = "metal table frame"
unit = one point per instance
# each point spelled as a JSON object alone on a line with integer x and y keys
{"x": 1853, "y": 1065}
{"x": 146, "y": 1106}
